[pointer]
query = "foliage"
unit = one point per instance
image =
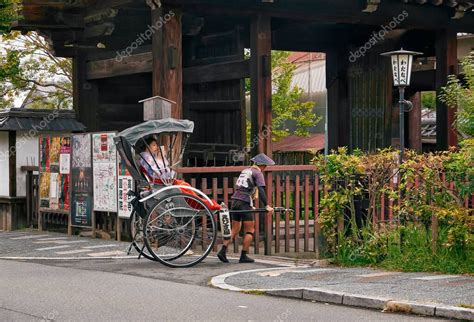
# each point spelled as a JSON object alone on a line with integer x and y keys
{"x": 348, "y": 177}
{"x": 406, "y": 242}
{"x": 286, "y": 100}
{"x": 30, "y": 70}
{"x": 461, "y": 94}
{"x": 416, "y": 254}
{"x": 428, "y": 100}
{"x": 8, "y": 13}
{"x": 287, "y": 105}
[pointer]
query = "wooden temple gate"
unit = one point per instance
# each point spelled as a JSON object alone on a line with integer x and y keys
{"x": 192, "y": 53}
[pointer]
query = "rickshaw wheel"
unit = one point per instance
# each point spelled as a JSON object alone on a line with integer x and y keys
{"x": 137, "y": 236}
{"x": 180, "y": 230}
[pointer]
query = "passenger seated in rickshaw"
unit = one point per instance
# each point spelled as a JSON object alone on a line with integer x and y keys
{"x": 155, "y": 165}
{"x": 154, "y": 161}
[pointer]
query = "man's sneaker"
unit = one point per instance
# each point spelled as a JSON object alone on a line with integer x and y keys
{"x": 245, "y": 259}
{"x": 222, "y": 256}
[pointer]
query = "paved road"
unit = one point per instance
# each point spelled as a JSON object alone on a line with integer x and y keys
{"x": 33, "y": 292}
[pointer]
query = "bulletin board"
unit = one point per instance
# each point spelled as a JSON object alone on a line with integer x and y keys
{"x": 82, "y": 185}
{"x": 55, "y": 173}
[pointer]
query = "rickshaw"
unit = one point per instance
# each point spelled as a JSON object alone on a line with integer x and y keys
{"x": 172, "y": 222}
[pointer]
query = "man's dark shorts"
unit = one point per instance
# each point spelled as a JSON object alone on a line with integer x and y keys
{"x": 241, "y": 205}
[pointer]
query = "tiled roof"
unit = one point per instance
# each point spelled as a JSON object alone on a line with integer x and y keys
{"x": 314, "y": 142}
{"x": 39, "y": 120}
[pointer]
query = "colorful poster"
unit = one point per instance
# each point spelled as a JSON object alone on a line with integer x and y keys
{"x": 81, "y": 169}
{"x": 103, "y": 148}
{"x": 54, "y": 149}
{"x": 54, "y": 173}
{"x": 104, "y": 165}
{"x": 45, "y": 180}
{"x": 44, "y": 153}
{"x": 125, "y": 184}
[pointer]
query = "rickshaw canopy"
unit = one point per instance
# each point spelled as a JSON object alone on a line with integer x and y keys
{"x": 168, "y": 125}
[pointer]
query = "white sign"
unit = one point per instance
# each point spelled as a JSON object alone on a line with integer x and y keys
{"x": 64, "y": 163}
{"x": 125, "y": 183}
{"x": 104, "y": 160}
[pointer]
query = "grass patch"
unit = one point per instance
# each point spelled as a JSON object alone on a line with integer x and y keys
{"x": 411, "y": 253}
{"x": 467, "y": 306}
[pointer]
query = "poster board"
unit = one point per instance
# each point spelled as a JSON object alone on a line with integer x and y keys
{"x": 81, "y": 172}
{"x": 104, "y": 166}
{"x": 55, "y": 174}
{"x": 125, "y": 183}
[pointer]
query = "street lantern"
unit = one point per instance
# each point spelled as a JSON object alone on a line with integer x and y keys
{"x": 402, "y": 62}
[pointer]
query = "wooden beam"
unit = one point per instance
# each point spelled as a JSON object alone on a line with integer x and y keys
{"x": 216, "y": 106}
{"x": 217, "y": 72}
{"x": 172, "y": 62}
{"x": 339, "y": 11}
{"x": 143, "y": 63}
{"x": 424, "y": 80}
{"x": 134, "y": 64}
{"x": 86, "y": 94}
{"x": 414, "y": 124}
{"x": 237, "y": 169}
{"x": 157, "y": 54}
{"x": 106, "y": 4}
{"x": 261, "y": 83}
{"x": 338, "y": 114}
{"x": 446, "y": 64}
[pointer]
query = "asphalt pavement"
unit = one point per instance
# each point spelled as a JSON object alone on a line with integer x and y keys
{"x": 436, "y": 295}
{"x": 38, "y": 292}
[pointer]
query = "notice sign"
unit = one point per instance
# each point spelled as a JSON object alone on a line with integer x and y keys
{"x": 104, "y": 165}
{"x": 81, "y": 210}
{"x": 125, "y": 184}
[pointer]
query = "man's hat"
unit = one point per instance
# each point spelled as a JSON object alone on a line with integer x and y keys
{"x": 262, "y": 159}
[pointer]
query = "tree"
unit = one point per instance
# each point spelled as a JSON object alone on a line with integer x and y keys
{"x": 286, "y": 100}
{"x": 428, "y": 100}
{"x": 287, "y": 105}
{"x": 8, "y": 14}
{"x": 30, "y": 71}
{"x": 461, "y": 94}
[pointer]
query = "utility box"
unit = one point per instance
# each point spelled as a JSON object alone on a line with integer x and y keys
{"x": 156, "y": 108}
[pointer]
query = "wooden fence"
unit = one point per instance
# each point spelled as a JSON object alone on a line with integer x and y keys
{"x": 294, "y": 187}
{"x": 288, "y": 187}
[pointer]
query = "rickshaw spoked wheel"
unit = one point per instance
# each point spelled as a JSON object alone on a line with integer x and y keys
{"x": 137, "y": 236}
{"x": 178, "y": 234}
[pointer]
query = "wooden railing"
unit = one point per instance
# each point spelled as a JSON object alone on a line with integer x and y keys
{"x": 293, "y": 187}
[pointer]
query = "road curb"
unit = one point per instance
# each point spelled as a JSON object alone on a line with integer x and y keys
{"x": 348, "y": 299}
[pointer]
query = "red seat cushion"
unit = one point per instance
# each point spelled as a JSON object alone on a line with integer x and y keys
{"x": 213, "y": 206}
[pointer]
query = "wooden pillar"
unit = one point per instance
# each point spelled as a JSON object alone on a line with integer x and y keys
{"x": 157, "y": 52}
{"x": 414, "y": 124}
{"x": 12, "y": 162}
{"x": 86, "y": 95}
{"x": 168, "y": 56}
{"x": 261, "y": 84}
{"x": 446, "y": 64}
{"x": 338, "y": 114}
